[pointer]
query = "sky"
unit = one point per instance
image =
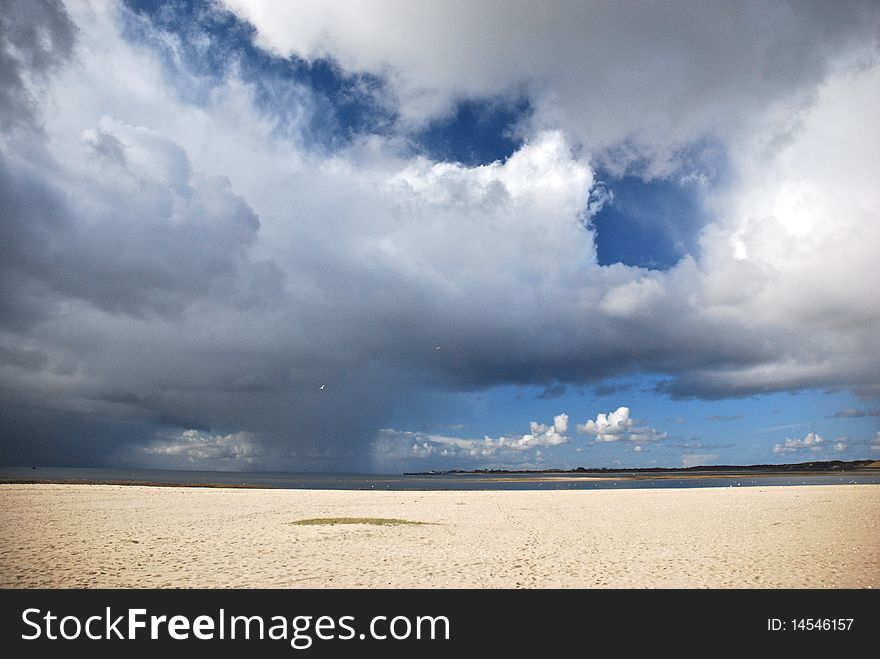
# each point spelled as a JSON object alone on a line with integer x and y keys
{"x": 406, "y": 235}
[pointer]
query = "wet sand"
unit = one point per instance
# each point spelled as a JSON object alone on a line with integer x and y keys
{"x": 133, "y": 536}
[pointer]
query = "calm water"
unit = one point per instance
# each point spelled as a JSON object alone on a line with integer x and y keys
{"x": 583, "y": 481}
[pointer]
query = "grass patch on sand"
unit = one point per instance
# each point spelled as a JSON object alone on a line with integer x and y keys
{"x": 333, "y": 521}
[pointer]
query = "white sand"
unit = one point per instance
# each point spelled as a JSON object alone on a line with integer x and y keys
{"x": 126, "y": 536}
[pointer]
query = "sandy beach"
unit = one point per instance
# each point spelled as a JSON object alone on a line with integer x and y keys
{"x": 130, "y": 536}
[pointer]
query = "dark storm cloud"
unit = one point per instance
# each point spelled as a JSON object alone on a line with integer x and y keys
{"x": 48, "y": 437}
{"x": 35, "y": 38}
{"x": 23, "y": 358}
{"x": 172, "y": 241}
{"x": 552, "y": 391}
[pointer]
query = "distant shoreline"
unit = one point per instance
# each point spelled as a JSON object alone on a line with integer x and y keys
{"x": 818, "y": 467}
{"x": 437, "y": 479}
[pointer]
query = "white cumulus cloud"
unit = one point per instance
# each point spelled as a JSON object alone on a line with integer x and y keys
{"x": 811, "y": 442}
{"x": 608, "y": 427}
{"x": 424, "y": 445}
{"x": 618, "y": 425}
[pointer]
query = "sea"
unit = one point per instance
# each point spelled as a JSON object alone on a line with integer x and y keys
{"x": 440, "y": 481}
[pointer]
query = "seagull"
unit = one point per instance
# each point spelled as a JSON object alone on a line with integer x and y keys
{"x": 322, "y": 387}
{"x": 437, "y": 348}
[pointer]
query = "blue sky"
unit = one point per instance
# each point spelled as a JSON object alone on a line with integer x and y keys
{"x": 700, "y": 432}
{"x": 581, "y": 239}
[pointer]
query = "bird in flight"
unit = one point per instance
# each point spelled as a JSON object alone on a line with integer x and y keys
{"x": 437, "y": 348}
{"x": 322, "y": 387}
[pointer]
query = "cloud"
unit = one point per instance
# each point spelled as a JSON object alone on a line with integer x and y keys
{"x": 541, "y": 435}
{"x": 608, "y": 427}
{"x": 193, "y": 446}
{"x": 840, "y": 446}
{"x": 36, "y": 39}
{"x": 732, "y": 417}
{"x": 854, "y": 412}
{"x": 811, "y": 442}
{"x": 698, "y": 459}
{"x": 645, "y": 434}
{"x": 606, "y": 389}
{"x": 177, "y": 239}
{"x": 552, "y": 391}
{"x": 178, "y": 253}
{"x": 25, "y": 358}
{"x": 618, "y": 425}
{"x": 788, "y": 212}
{"x": 667, "y": 74}
{"x": 849, "y": 412}
{"x": 633, "y": 298}
{"x": 396, "y": 444}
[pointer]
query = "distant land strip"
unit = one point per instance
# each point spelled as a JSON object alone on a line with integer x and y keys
{"x": 768, "y": 469}
{"x": 600, "y": 473}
